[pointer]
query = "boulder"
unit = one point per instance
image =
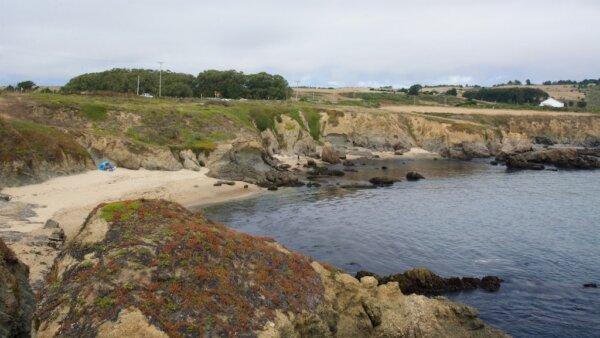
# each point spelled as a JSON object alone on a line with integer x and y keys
{"x": 220, "y": 183}
{"x": 544, "y": 140}
{"x": 17, "y": 303}
{"x": 466, "y": 151}
{"x": 590, "y": 285}
{"x": 324, "y": 171}
{"x": 414, "y": 176}
{"x": 311, "y": 163}
{"x": 189, "y": 160}
{"x": 4, "y": 197}
{"x": 329, "y": 154}
{"x": 490, "y": 283}
{"x": 383, "y": 181}
{"x": 51, "y": 224}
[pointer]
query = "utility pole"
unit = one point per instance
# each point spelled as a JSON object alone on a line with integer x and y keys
{"x": 297, "y": 85}
{"x": 160, "y": 78}
{"x": 138, "y": 87}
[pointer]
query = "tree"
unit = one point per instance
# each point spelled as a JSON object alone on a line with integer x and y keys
{"x": 25, "y": 85}
{"x": 228, "y": 84}
{"x": 581, "y": 104}
{"x": 414, "y": 89}
{"x": 126, "y": 80}
{"x": 528, "y": 82}
{"x": 516, "y": 95}
{"x": 10, "y": 88}
{"x": 452, "y": 92}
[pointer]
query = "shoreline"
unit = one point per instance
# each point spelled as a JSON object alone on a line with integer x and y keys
{"x": 68, "y": 200}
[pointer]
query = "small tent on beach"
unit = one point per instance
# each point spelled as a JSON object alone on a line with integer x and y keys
{"x": 550, "y": 102}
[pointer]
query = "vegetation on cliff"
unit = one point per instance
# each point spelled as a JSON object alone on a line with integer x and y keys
{"x": 153, "y": 268}
{"x": 191, "y": 276}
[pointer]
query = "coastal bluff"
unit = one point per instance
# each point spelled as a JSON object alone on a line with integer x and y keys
{"x": 152, "y": 267}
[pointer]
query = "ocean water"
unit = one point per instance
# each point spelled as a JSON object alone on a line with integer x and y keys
{"x": 538, "y": 230}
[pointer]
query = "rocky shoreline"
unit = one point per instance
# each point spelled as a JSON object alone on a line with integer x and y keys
{"x": 130, "y": 256}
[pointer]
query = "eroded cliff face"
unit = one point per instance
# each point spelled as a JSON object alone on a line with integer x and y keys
{"x": 31, "y": 153}
{"x": 152, "y": 266}
{"x": 463, "y": 137}
{"x": 17, "y": 302}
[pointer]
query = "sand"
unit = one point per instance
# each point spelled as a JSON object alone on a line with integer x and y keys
{"x": 69, "y": 199}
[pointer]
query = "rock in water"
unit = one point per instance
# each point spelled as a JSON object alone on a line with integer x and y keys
{"x": 590, "y": 285}
{"x": 414, "y": 176}
{"x": 17, "y": 302}
{"x": 424, "y": 282}
{"x": 150, "y": 267}
{"x": 383, "y": 181}
{"x": 490, "y": 283}
{"x": 571, "y": 158}
{"x": 329, "y": 155}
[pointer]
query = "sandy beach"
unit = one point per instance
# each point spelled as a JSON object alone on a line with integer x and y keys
{"x": 69, "y": 199}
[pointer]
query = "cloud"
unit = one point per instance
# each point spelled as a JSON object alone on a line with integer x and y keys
{"x": 314, "y": 42}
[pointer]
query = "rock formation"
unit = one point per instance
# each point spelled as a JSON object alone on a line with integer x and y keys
{"x": 248, "y": 161}
{"x": 570, "y": 158}
{"x": 17, "y": 302}
{"x": 329, "y": 154}
{"x": 414, "y": 176}
{"x": 31, "y": 153}
{"x": 424, "y": 282}
{"x": 153, "y": 267}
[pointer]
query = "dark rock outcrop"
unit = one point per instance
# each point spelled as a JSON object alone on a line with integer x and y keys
{"x": 570, "y": 158}
{"x": 544, "y": 140}
{"x": 383, "y": 181}
{"x": 17, "y": 302}
{"x": 424, "y": 282}
{"x": 414, "y": 176}
{"x": 590, "y": 285}
{"x": 324, "y": 171}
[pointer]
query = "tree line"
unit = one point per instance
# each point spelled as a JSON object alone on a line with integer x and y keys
{"x": 516, "y": 95}
{"x": 228, "y": 84}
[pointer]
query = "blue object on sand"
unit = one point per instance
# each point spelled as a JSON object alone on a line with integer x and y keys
{"x": 106, "y": 166}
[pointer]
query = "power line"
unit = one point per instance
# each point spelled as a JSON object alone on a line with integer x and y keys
{"x": 160, "y": 78}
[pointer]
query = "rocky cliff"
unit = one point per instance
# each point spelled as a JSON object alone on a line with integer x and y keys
{"x": 17, "y": 303}
{"x": 153, "y": 267}
{"x": 238, "y": 140}
{"x": 31, "y": 152}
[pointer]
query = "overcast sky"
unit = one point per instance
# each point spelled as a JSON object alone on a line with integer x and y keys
{"x": 326, "y": 43}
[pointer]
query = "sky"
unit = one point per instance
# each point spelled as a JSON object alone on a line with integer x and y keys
{"x": 309, "y": 42}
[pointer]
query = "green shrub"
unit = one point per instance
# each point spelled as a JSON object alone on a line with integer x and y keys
{"x": 94, "y": 111}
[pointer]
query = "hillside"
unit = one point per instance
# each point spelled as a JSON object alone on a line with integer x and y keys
{"x": 239, "y": 139}
{"x": 153, "y": 267}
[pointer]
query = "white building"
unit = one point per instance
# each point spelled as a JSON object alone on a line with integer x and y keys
{"x": 550, "y": 102}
